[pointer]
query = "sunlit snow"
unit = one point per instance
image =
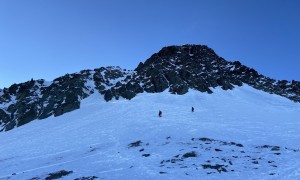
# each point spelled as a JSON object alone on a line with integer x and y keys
{"x": 95, "y": 140}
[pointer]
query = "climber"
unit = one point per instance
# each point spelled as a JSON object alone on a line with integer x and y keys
{"x": 159, "y": 113}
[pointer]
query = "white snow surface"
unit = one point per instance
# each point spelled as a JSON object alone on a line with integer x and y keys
{"x": 93, "y": 141}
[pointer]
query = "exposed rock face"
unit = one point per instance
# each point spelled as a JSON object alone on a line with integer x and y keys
{"x": 182, "y": 67}
{"x": 176, "y": 68}
{"x": 22, "y": 103}
{"x": 179, "y": 68}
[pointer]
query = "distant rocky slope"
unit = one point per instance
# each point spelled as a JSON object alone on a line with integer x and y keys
{"x": 22, "y": 103}
{"x": 176, "y": 68}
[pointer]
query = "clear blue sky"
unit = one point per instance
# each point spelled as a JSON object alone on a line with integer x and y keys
{"x": 49, "y": 38}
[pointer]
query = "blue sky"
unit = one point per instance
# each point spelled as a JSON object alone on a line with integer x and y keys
{"x": 49, "y": 38}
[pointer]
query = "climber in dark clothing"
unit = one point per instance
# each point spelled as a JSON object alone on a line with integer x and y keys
{"x": 193, "y": 109}
{"x": 159, "y": 113}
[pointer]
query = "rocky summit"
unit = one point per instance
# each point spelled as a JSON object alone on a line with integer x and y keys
{"x": 174, "y": 68}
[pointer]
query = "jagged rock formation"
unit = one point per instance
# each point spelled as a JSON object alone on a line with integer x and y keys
{"x": 22, "y": 103}
{"x": 198, "y": 67}
{"x": 176, "y": 68}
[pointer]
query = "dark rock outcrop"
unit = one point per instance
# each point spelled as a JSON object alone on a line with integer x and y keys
{"x": 58, "y": 174}
{"x": 180, "y": 68}
{"x": 38, "y": 99}
{"x": 174, "y": 68}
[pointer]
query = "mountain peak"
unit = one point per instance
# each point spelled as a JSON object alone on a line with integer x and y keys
{"x": 180, "y": 54}
{"x": 176, "y": 68}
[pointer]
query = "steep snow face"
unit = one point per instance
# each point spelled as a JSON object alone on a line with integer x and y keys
{"x": 237, "y": 134}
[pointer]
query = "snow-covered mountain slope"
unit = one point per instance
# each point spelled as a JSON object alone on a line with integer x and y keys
{"x": 241, "y": 133}
{"x": 174, "y": 68}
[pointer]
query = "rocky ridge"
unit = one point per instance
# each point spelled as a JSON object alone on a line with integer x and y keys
{"x": 39, "y": 99}
{"x": 176, "y": 68}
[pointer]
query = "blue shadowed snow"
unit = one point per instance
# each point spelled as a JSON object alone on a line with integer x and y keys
{"x": 94, "y": 140}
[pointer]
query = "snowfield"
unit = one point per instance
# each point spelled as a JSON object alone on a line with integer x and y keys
{"x": 237, "y": 134}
